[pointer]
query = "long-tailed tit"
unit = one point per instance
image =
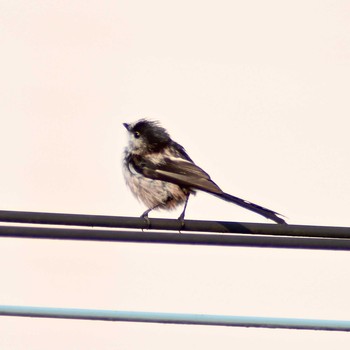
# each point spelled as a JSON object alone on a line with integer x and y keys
{"x": 160, "y": 173}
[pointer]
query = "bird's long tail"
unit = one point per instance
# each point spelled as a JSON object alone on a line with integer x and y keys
{"x": 267, "y": 213}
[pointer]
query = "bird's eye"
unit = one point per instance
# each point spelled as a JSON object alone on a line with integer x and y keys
{"x": 137, "y": 134}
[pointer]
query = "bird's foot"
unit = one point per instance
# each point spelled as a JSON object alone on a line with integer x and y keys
{"x": 181, "y": 219}
{"x": 147, "y": 220}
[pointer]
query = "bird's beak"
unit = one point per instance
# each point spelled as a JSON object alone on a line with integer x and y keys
{"x": 126, "y": 126}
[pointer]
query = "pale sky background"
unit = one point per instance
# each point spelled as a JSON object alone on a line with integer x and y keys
{"x": 257, "y": 92}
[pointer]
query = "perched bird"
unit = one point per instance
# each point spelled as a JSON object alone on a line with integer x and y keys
{"x": 160, "y": 173}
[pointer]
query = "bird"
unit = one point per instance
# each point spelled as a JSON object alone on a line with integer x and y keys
{"x": 161, "y": 174}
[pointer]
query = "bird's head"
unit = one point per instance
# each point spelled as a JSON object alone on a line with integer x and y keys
{"x": 146, "y": 136}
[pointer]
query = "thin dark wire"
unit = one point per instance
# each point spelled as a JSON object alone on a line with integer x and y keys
{"x": 174, "y": 225}
{"x": 175, "y": 238}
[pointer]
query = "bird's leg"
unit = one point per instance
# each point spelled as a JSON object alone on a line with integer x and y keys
{"x": 182, "y": 216}
{"x": 146, "y": 218}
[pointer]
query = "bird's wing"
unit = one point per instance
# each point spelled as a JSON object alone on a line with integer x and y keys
{"x": 187, "y": 174}
{"x": 175, "y": 170}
